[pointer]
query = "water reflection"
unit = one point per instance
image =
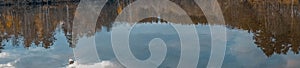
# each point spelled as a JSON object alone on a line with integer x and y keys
{"x": 36, "y": 24}
{"x": 273, "y": 25}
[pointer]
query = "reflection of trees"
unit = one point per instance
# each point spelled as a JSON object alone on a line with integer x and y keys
{"x": 33, "y": 24}
{"x": 274, "y": 24}
{"x": 1, "y": 46}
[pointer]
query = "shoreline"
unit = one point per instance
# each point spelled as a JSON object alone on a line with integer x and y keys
{"x": 35, "y": 3}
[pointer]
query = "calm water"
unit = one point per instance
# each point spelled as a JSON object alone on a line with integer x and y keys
{"x": 263, "y": 34}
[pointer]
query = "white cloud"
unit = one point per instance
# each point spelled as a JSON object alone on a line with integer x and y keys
{"x": 8, "y": 65}
{"x": 4, "y": 54}
{"x": 103, "y": 64}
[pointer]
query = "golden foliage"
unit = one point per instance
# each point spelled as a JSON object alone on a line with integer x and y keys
{"x": 119, "y": 9}
{"x": 39, "y": 25}
{"x": 9, "y": 21}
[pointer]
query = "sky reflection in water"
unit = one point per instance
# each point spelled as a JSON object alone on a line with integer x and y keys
{"x": 267, "y": 24}
{"x": 241, "y": 50}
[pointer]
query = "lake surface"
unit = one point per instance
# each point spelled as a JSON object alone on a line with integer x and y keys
{"x": 260, "y": 34}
